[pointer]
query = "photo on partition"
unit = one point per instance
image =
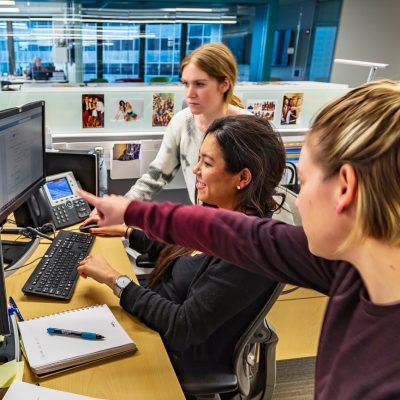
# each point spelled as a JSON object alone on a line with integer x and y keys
{"x": 163, "y": 108}
{"x": 126, "y": 109}
{"x": 93, "y": 110}
{"x": 291, "y": 108}
{"x": 264, "y": 109}
{"x": 126, "y": 151}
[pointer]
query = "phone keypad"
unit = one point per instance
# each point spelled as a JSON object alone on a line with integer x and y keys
{"x": 60, "y": 212}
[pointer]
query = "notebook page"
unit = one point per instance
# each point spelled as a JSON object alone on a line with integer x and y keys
{"x": 45, "y": 349}
{"x": 26, "y": 391}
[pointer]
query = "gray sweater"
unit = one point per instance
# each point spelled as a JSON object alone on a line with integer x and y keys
{"x": 179, "y": 148}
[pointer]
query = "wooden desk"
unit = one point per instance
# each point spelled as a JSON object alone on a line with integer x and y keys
{"x": 297, "y": 318}
{"x": 146, "y": 374}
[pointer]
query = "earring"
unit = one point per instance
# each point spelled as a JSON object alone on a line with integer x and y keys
{"x": 238, "y": 187}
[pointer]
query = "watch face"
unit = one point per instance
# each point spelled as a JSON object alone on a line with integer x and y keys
{"x": 123, "y": 281}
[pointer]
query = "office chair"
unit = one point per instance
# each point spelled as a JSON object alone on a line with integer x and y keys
{"x": 254, "y": 368}
{"x": 289, "y": 213}
{"x": 291, "y": 181}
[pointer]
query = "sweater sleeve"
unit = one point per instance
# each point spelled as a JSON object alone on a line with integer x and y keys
{"x": 264, "y": 246}
{"x": 162, "y": 169}
{"x": 218, "y": 295}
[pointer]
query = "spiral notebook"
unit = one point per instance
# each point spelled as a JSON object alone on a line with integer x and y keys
{"x": 47, "y": 354}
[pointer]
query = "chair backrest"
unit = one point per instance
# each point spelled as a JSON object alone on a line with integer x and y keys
{"x": 260, "y": 384}
{"x": 258, "y": 332}
{"x": 289, "y": 213}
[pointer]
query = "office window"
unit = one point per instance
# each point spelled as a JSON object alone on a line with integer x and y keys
{"x": 4, "y": 66}
{"x": 163, "y": 44}
{"x": 121, "y": 45}
{"x": 89, "y": 51}
{"x": 322, "y": 53}
{"x": 32, "y": 39}
{"x": 199, "y": 34}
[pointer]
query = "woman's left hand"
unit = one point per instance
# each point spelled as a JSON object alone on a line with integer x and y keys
{"x": 99, "y": 269}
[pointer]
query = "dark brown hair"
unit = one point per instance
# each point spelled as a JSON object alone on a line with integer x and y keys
{"x": 245, "y": 142}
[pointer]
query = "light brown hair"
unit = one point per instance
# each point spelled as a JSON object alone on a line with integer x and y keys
{"x": 217, "y": 61}
{"x": 362, "y": 128}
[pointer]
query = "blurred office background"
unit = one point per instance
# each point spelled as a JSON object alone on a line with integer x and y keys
{"x": 121, "y": 40}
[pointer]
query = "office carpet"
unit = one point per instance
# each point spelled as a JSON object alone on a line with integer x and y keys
{"x": 295, "y": 379}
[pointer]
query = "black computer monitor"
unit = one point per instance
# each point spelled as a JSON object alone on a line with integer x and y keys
{"x": 22, "y": 166}
{"x": 42, "y": 75}
{"x": 22, "y": 155}
{"x": 83, "y": 164}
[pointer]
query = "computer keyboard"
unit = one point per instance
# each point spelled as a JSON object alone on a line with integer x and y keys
{"x": 56, "y": 276}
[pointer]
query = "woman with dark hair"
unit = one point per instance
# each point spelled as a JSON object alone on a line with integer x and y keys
{"x": 198, "y": 303}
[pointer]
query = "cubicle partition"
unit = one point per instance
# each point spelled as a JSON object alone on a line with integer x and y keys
{"x": 83, "y": 117}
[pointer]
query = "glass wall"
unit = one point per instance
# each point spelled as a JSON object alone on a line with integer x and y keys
{"x": 199, "y": 34}
{"x": 143, "y": 42}
{"x": 4, "y": 63}
{"x": 121, "y": 45}
{"x": 162, "y": 51}
{"x": 32, "y": 39}
{"x": 89, "y": 51}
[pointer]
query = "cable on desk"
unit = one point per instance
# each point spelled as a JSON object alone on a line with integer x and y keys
{"x": 290, "y": 290}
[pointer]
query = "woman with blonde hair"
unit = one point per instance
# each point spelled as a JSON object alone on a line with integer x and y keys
{"x": 209, "y": 75}
{"x": 347, "y": 249}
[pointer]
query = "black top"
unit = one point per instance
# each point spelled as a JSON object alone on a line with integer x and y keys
{"x": 202, "y": 308}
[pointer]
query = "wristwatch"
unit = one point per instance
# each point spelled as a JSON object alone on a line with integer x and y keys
{"x": 120, "y": 284}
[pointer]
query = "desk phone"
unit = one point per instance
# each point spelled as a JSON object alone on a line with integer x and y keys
{"x": 65, "y": 205}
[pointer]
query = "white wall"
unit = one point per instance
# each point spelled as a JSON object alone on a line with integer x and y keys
{"x": 369, "y": 30}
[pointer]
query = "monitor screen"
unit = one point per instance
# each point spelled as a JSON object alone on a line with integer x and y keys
{"x": 22, "y": 162}
{"x": 59, "y": 189}
{"x": 22, "y": 166}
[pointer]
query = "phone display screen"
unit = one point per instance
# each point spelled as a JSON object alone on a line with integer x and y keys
{"x": 59, "y": 189}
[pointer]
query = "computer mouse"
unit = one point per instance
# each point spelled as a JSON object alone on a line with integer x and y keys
{"x": 85, "y": 228}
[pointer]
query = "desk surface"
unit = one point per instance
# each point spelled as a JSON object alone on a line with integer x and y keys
{"x": 146, "y": 374}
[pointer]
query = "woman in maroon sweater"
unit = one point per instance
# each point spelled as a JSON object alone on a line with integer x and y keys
{"x": 348, "y": 247}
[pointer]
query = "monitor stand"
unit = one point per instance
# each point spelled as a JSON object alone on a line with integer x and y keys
{"x": 9, "y": 348}
{"x": 15, "y": 254}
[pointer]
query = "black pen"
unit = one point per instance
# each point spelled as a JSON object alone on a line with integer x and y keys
{"x": 83, "y": 335}
{"x": 15, "y": 307}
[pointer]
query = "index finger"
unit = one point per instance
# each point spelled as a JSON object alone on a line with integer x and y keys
{"x": 89, "y": 197}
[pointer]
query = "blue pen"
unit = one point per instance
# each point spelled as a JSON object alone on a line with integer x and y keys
{"x": 83, "y": 335}
{"x": 15, "y": 307}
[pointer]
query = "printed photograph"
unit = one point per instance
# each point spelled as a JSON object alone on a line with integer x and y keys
{"x": 264, "y": 109}
{"x": 93, "y": 110}
{"x": 126, "y": 151}
{"x": 126, "y": 110}
{"x": 291, "y": 108}
{"x": 163, "y": 108}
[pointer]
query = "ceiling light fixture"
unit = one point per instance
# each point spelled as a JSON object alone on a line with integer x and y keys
{"x": 187, "y": 9}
